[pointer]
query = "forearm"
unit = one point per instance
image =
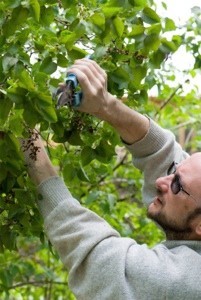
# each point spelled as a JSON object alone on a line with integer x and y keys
{"x": 130, "y": 125}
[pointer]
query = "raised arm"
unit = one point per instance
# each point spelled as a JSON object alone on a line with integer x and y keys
{"x": 97, "y": 101}
{"x": 152, "y": 147}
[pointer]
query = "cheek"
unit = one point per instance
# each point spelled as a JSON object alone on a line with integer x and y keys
{"x": 177, "y": 207}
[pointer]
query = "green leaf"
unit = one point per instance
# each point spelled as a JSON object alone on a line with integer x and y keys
{"x": 67, "y": 36}
{"x": 167, "y": 46}
{"x": 36, "y": 9}
{"x": 120, "y": 76}
{"x": 110, "y": 12}
{"x": 25, "y": 80}
{"x": 104, "y": 152}
{"x": 62, "y": 60}
{"x": 76, "y": 53}
{"x": 13, "y": 144}
{"x": 12, "y": 3}
{"x": 43, "y": 100}
{"x": 150, "y": 16}
{"x": 5, "y": 108}
{"x": 140, "y": 3}
{"x": 152, "y": 42}
{"x": 139, "y": 73}
{"x": 119, "y": 26}
{"x": 169, "y": 24}
{"x": 16, "y": 123}
{"x": 46, "y": 15}
{"x": 30, "y": 114}
{"x": 8, "y": 62}
{"x": 82, "y": 174}
{"x": 3, "y": 173}
{"x": 157, "y": 58}
{"x": 5, "y": 275}
{"x": 92, "y": 197}
{"x": 75, "y": 139}
{"x": 18, "y": 17}
{"x": 48, "y": 66}
{"x": 87, "y": 155}
{"x": 136, "y": 30}
{"x": 67, "y": 3}
{"x": 98, "y": 19}
{"x": 49, "y": 114}
{"x": 154, "y": 29}
{"x": 16, "y": 94}
{"x": 58, "y": 129}
{"x": 69, "y": 172}
{"x": 9, "y": 241}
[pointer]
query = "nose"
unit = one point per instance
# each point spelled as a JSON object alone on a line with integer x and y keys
{"x": 163, "y": 183}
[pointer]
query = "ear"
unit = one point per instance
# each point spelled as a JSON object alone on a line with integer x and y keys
{"x": 198, "y": 228}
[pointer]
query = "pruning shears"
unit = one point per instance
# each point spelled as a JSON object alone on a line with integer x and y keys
{"x": 68, "y": 94}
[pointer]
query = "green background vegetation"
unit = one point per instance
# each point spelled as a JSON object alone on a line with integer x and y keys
{"x": 38, "y": 41}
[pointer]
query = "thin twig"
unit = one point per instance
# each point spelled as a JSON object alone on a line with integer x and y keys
{"x": 167, "y": 100}
{"x": 184, "y": 124}
{"x": 36, "y": 283}
{"x": 115, "y": 167}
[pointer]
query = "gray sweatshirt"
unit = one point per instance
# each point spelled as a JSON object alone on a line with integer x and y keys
{"x": 101, "y": 264}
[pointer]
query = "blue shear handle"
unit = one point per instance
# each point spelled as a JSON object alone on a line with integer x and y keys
{"x": 77, "y": 99}
{"x": 72, "y": 77}
{"x": 77, "y": 96}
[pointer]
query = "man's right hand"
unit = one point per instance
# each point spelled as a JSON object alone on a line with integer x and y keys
{"x": 93, "y": 82}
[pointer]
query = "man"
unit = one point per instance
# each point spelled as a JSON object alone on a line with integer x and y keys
{"x": 101, "y": 264}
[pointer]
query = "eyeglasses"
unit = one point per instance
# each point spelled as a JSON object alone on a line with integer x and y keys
{"x": 176, "y": 185}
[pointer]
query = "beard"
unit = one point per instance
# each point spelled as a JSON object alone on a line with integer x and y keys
{"x": 174, "y": 229}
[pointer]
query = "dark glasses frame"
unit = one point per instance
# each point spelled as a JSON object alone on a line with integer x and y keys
{"x": 176, "y": 185}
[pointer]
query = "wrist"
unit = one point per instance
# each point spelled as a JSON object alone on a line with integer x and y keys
{"x": 41, "y": 172}
{"x": 107, "y": 111}
{"x": 38, "y": 164}
{"x": 130, "y": 125}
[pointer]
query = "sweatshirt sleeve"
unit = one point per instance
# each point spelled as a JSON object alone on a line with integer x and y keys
{"x": 91, "y": 250}
{"x": 153, "y": 155}
{"x": 101, "y": 264}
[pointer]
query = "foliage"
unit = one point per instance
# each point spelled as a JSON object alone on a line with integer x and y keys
{"x": 39, "y": 39}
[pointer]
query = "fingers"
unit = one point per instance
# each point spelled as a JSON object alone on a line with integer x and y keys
{"x": 93, "y": 82}
{"x": 88, "y": 72}
{"x": 93, "y": 66}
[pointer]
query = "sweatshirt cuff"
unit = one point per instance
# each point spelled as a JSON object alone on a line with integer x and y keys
{"x": 153, "y": 141}
{"x": 52, "y": 192}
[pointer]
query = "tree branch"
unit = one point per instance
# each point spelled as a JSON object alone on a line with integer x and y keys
{"x": 167, "y": 100}
{"x": 36, "y": 283}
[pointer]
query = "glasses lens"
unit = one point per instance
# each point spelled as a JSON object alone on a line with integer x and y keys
{"x": 175, "y": 185}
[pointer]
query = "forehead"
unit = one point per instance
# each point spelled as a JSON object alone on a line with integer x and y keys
{"x": 190, "y": 169}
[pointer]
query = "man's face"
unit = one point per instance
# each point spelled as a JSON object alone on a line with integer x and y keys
{"x": 177, "y": 206}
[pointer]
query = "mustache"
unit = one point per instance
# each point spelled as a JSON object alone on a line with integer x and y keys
{"x": 159, "y": 192}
